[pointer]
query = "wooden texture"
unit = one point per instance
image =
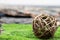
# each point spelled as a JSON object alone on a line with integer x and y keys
{"x": 44, "y": 26}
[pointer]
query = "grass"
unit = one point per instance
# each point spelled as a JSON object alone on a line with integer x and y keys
{"x": 22, "y": 32}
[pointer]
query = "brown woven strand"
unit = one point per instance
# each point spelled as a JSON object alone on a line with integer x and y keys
{"x": 44, "y": 26}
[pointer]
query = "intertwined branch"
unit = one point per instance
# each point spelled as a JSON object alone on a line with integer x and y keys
{"x": 44, "y": 25}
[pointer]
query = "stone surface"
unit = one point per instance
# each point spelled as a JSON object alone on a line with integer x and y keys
{"x": 17, "y": 20}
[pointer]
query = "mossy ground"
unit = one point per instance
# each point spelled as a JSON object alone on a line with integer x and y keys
{"x": 22, "y": 32}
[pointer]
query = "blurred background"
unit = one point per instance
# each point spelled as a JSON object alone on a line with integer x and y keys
{"x": 7, "y": 12}
{"x": 51, "y": 7}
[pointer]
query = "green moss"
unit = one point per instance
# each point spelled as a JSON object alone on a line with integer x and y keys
{"x": 22, "y": 32}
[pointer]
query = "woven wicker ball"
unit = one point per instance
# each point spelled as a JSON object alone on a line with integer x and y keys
{"x": 44, "y": 26}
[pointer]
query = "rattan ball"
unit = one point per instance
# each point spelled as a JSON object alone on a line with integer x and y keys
{"x": 44, "y": 26}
